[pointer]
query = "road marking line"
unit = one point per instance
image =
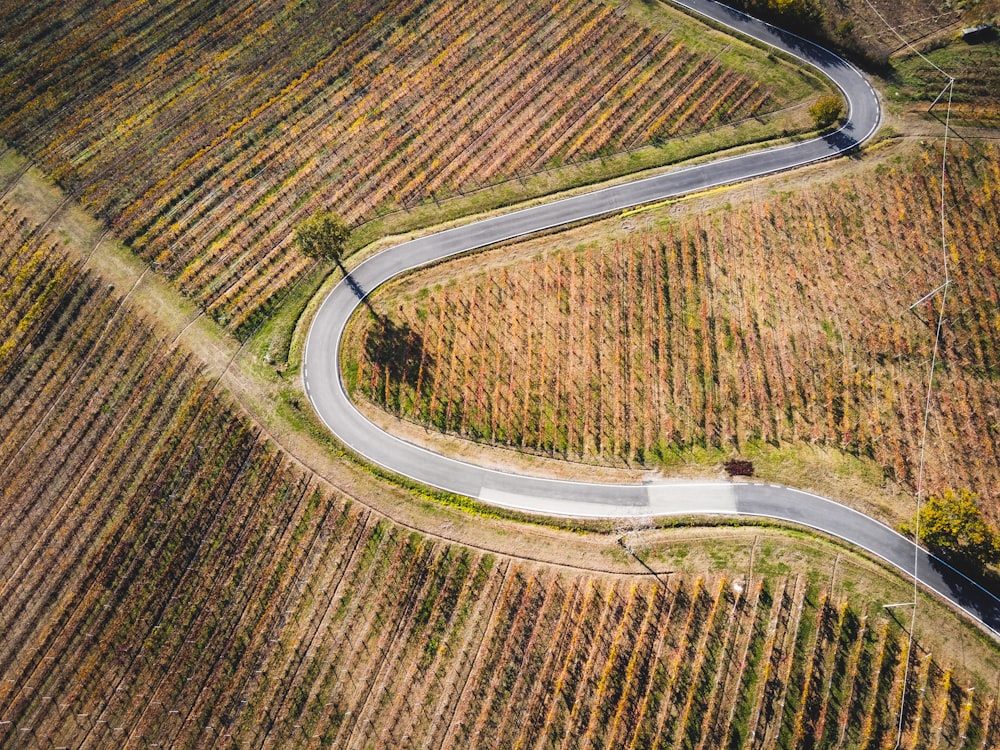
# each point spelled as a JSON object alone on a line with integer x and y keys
{"x": 674, "y": 499}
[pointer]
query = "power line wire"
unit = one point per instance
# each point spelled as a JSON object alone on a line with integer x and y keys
{"x": 948, "y": 89}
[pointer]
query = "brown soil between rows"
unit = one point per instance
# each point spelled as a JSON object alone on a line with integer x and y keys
{"x": 222, "y": 358}
{"x": 241, "y": 377}
{"x": 339, "y": 603}
{"x": 889, "y": 502}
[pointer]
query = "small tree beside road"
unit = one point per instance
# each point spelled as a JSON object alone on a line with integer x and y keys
{"x": 953, "y": 526}
{"x": 826, "y": 110}
{"x": 323, "y": 235}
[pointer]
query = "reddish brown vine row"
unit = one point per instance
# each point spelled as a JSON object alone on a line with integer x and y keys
{"x": 784, "y": 321}
{"x": 203, "y": 133}
{"x": 170, "y": 578}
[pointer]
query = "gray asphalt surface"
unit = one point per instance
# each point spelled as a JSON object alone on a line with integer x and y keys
{"x": 321, "y": 376}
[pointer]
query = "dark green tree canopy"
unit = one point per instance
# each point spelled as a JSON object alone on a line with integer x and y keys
{"x": 827, "y": 110}
{"x": 953, "y": 526}
{"x": 322, "y": 235}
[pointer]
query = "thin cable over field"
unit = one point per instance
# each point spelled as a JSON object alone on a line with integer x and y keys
{"x": 948, "y": 89}
{"x": 927, "y": 406}
{"x": 908, "y": 44}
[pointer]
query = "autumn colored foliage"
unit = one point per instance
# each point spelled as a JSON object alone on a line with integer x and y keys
{"x": 953, "y": 526}
{"x": 170, "y": 578}
{"x": 204, "y": 132}
{"x": 827, "y": 110}
{"x": 322, "y": 235}
{"x": 784, "y": 320}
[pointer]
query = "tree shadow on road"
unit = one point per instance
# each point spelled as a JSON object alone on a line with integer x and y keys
{"x": 972, "y": 587}
{"x": 359, "y": 292}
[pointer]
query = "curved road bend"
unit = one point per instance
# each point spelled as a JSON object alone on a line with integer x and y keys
{"x": 321, "y": 375}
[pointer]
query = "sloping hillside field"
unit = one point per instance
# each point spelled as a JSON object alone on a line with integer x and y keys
{"x": 169, "y": 579}
{"x": 170, "y": 576}
{"x": 783, "y": 322}
{"x": 203, "y": 132}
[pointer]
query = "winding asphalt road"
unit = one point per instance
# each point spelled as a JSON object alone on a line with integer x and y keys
{"x": 321, "y": 375}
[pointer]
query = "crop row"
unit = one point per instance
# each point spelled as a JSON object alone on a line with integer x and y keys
{"x": 204, "y": 133}
{"x": 786, "y": 320}
{"x": 172, "y": 579}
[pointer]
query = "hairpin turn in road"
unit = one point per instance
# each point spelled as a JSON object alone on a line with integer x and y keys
{"x": 326, "y": 391}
